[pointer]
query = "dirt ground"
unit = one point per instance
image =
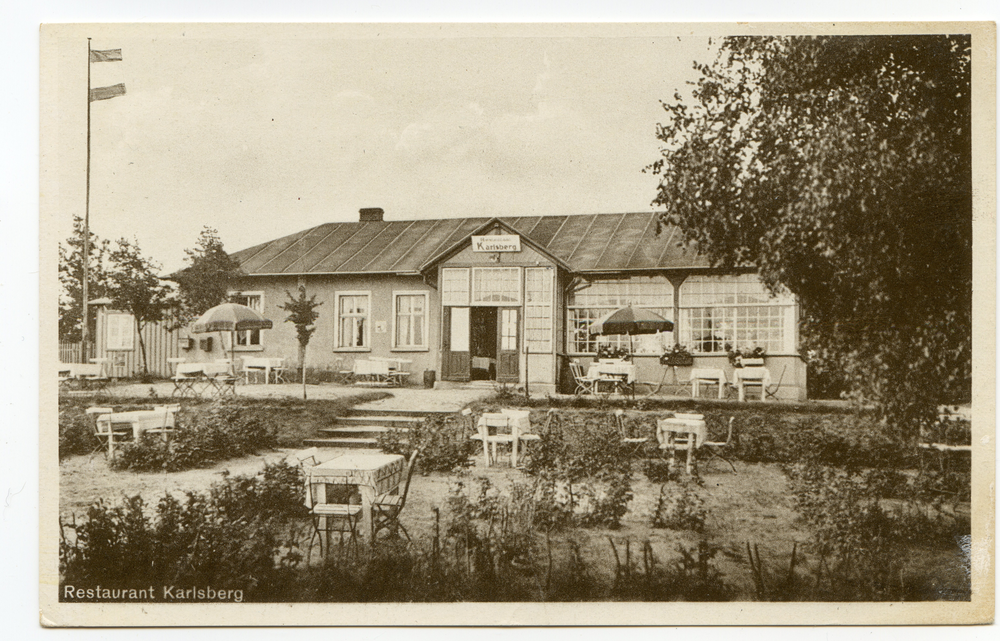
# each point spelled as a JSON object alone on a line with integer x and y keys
{"x": 750, "y": 505}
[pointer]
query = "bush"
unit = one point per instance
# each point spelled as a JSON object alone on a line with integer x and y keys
{"x": 227, "y": 430}
{"x": 235, "y": 537}
{"x": 76, "y": 435}
{"x": 680, "y": 508}
{"x": 443, "y": 443}
{"x": 580, "y": 448}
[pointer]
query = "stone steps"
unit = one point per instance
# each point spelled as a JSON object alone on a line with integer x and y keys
{"x": 361, "y": 427}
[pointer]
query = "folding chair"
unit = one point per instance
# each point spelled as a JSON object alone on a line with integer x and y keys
{"x": 387, "y": 508}
{"x": 584, "y": 383}
{"x": 714, "y": 447}
{"x": 304, "y": 458}
{"x": 633, "y": 443}
{"x": 169, "y": 425}
{"x": 771, "y": 391}
{"x": 327, "y": 518}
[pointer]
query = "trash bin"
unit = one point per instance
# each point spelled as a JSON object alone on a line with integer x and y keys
{"x": 429, "y": 377}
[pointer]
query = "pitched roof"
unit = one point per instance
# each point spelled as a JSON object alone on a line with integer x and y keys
{"x": 585, "y": 243}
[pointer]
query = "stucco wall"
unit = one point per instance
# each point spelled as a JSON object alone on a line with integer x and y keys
{"x": 322, "y": 352}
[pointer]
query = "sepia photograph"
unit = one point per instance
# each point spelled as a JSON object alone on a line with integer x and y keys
{"x": 626, "y": 324}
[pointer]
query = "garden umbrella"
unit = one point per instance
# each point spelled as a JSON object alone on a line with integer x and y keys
{"x": 232, "y": 318}
{"x": 629, "y": 320}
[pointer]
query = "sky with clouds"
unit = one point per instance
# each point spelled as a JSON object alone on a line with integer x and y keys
{"x": 264, "y": 134}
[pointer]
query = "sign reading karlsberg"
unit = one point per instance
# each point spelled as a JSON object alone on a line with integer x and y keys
{"x": 505, "y": 243}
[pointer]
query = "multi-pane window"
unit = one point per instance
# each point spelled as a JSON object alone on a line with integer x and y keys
{"x": 410, "y": 329}
{"x": 538, "y": 309}
{"x": 455, "y": 286}
{"x": 120, "y": 332}
{"x": 599, "y": 298}
{"x": 352, "y": 320}
{"x": 496, "y": 285}
{"x": 736, "y": 312}
{"x": 251, "y": 337}
{"x": 508, "y": 330}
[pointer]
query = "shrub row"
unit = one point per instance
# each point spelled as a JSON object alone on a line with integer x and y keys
{"x": 227, "y": 430}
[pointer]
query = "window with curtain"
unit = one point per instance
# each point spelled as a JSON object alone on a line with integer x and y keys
{"x": 410, "y": 316}
{"x": 253, "y": 300}
{"x": 734, "y": 311}
{"x": 352, "y": 320}
{"x": 600, "y": 297}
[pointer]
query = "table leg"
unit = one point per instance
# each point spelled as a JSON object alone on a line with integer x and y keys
{"x": 367, "y": 499}
{"x": 721, "y": 389}
{"x": 513, "y": 446}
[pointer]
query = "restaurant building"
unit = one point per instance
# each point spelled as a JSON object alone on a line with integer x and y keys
{"x": 510, "y": 300}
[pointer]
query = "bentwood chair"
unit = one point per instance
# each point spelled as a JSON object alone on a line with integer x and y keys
{"x": 387, "y": 508}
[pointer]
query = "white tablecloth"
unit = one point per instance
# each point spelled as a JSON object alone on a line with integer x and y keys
{"x": 373, "y": 474}
{"x": 698, "y": 427}
{"x": 140, "y": 421}
{"x": 202, "y": 369}
{"x": 612, "y": 370}
{"x": 753, "y": 376}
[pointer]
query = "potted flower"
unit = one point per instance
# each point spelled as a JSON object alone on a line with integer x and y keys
{"x": 606, "y": 351}
{"x": 678, "y": 356}
{"x": 738, "y": 357}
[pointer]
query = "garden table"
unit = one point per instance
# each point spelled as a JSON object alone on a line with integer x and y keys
{"x": 751, "y": 376}
{"x": 621, "y": 374}
{"x": 253, "y": 365}
{"x": 194, "y": 379}
{"x": 373, "y": 475}
{"x": 519, "y": 424}
{"x": 140, "y": 421}
{"x": 708, "y": 377}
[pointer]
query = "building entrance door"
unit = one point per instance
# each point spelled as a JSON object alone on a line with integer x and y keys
{"x": 481, "y": 344}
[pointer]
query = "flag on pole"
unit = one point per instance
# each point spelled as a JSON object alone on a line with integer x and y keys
{"x": 108, "y": 55}
{"x": 106, "y": 93}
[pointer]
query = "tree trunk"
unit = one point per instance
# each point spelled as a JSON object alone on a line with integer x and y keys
{"x": 302, "y": 360}
{"x": 142, "y": 349}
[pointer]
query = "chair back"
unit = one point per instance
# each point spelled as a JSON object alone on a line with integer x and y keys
{"x": 410, "y": 466}
{"x": 577, "y": 371}
{"x": 300, "y": 457}
{"x": 729, "y": 435}
{"x": 495, "y": 422}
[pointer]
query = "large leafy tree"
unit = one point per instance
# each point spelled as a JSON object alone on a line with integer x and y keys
{"x": 71, "y": 280}
{"x": 207, "y": 279}
{"x": 840, "y": 168}
{"x": 136, "y": 288}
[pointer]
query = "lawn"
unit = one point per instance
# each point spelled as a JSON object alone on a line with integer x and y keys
{"x": 773, "y": 505}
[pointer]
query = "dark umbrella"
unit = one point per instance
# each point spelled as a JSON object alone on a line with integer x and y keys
{"x": 630, "y": 321}
{"x": 232, "y": 318}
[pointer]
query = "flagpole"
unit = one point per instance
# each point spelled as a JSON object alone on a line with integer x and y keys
{"x": 86, "y": 231}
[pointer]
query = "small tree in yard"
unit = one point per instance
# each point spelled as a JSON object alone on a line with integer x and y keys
{"x": 302, "y": 312}
{"x": 135, "y": 288}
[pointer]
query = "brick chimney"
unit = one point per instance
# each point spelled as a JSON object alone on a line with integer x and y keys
{"x": 371, "y": 215}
